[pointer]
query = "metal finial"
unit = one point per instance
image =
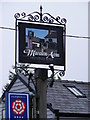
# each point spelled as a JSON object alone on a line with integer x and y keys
{"x": 40, "y": 12}
{"x": 40, "y": 8}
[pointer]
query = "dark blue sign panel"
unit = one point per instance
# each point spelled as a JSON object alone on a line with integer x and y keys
{"x": 16, "y": 105}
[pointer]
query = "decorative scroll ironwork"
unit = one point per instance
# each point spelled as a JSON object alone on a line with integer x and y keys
{"x": 39, "y": 17}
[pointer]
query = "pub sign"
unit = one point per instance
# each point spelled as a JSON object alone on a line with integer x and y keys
{"x": 41, "y": 44}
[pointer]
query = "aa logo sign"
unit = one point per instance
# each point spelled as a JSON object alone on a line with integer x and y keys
{"x": 17, "y": 105}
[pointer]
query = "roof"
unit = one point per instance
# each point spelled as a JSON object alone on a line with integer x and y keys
{"x": 61, "y": 99}
{"x": 23, "y": 79}
{"x": 51, "y": 35}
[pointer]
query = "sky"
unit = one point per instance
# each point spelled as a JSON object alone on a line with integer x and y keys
{"x": 76, "y": 13}
{"x": 38, "y": 32}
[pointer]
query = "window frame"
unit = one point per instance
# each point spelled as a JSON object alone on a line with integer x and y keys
{"x": 76, "y": 91}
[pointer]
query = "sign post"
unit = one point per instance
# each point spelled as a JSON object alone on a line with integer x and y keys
{"x": 41, "y": 92}
{"x": 17, "y": 105}
{"x": 41, "y": 41}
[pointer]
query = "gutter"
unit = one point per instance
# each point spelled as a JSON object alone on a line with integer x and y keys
{"x": 59, "y": 114}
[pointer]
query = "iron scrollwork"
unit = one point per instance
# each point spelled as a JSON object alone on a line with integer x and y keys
{"x": 39, "y": 17}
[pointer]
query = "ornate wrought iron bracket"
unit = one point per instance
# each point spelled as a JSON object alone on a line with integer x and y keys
{"x": 40, "y": 17}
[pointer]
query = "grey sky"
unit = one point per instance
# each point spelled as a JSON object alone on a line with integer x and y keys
{"x": 76, "y": 14}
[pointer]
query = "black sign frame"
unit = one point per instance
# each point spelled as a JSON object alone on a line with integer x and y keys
{"x": 40, "y": 21}
{"x": 41, "y": 59}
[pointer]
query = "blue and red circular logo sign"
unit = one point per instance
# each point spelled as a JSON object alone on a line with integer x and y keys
{"x": 18, "y": 107}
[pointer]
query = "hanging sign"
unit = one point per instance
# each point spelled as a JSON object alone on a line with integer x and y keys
{"x": 16, "y": 105}
{"x": 41, "y": 44}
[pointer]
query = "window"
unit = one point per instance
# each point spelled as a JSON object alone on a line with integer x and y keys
{"x": 50, "y": 40}
{"x": 75, "y": 91}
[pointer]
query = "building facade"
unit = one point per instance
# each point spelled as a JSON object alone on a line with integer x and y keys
{"x": 65, "y": 100}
